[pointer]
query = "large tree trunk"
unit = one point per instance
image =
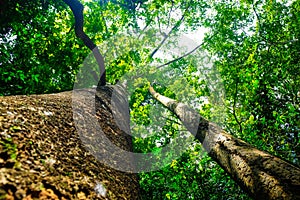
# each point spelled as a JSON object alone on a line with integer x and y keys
{"x": 42, "y": 155}
{"x": 261, "y": 175}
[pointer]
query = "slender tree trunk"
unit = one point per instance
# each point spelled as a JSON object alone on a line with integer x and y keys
{"x": 261, "y": 175}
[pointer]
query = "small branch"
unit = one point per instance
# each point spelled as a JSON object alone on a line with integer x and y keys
{"x": 181, "y": 57}
{"x": 259, "y": 22}
{"x": 169, "y": 14}
{"x": 167, "y": 36}
{"x": 256, "y": 14}
{"x": 234, "y": 104}
{"x": 160, "y": 31}
{"x": 171, "y": 120}
{"x": 185, "y": 55}
{"x": 146, "y": 26}
{"x": 285, "y": 42}
{"x": 104, "y": 22}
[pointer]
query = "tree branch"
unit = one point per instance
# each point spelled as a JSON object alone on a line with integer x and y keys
{"x": 77, "y": 9}
{"x": 146, "y": 26}
{"x": 168, "y": 34}
{"x": 181, "y": 57}
{"x": 234, "y": 105}
{"x": 104, "y": 22}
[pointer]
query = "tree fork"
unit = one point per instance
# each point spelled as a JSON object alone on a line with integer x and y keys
{"x": 77, "y": 9}
{"x": 261, "y": 175}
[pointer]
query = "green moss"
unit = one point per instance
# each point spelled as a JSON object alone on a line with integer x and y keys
{"x": 10, "y": 148}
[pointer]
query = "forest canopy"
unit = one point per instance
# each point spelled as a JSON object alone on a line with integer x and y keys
{"x": 235, "y": 62}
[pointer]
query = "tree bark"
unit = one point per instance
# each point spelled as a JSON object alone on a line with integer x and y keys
{"x": 44, "y": 155}
{"x": 109, "y": 135}
{"x": 261, "y": 175}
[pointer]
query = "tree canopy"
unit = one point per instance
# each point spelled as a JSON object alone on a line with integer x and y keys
{"x": 243, "y": 75}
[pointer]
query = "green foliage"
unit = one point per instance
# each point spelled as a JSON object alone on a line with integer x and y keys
{"x": 193, "y": 176}
{"x": 256, "y": 50}
{"x": 259, "y": 63}
{"x": 9, "y": 148}
{"x": 40, "y": 56}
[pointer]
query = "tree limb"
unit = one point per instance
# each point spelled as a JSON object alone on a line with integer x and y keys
{"x": 77, "y": 9}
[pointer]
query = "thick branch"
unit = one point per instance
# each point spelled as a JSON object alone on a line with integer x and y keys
{"x": 261, "y": 175}
{"x": 77, "y": 9}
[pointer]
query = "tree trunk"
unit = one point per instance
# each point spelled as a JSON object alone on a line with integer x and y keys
{"x": 261, "y": 175}
{"x": 42, "y": 155}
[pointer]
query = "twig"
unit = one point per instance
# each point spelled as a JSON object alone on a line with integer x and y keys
{"x": 167, "y": 36}
{"x": 181, "y": 57}
{"x": 234, "y": 104}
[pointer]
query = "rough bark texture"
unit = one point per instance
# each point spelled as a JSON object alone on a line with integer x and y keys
{"x": 108, "y": 136}
{"x": 262, "y": 175}
{"x": 42, "y": 156}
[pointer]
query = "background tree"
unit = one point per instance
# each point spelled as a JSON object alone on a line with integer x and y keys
{"x": 258, "y": 58}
